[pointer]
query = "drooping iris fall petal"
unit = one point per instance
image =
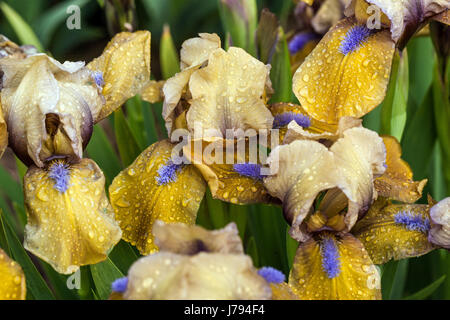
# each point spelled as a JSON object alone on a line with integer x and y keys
{"x": 12, "y": 279}
{"x": 153, "y": 188}
{"x": 70, "y": 221}
{"x": 346, "y": 74}
{"x": 394, "y": 231}
{"x": 334, "y": 268}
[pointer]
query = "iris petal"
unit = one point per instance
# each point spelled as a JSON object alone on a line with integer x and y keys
{"x": 139, "y": 199}
{"x": 358, "y": 278}
{"x": 73, "y": 226}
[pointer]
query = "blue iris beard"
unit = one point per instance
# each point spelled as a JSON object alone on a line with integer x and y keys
{"x": 354, "y": 38}
{"x": 60, "y": 173}
{"x": 283, "y": 119}
{"x": 120, "y": 285}
{"x": 168, "y": 173}
{"x": 252, "y": 170}
{"x": 98, "y": 78}
{"x": 330, "y": 258}
{"x": 271, "y": 274}
{"x": 412, "y": 222}
{"x": 299, "y": 41}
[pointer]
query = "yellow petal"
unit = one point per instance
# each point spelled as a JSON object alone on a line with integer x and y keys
{"x": 221, "y": 169}
{"x": 282, "y": 291}
{"x": 49, "y": 107}
{"x": 396, "y": 183}
{"x": 12, "y": 279}
{"x": 125, "y": 65}
{"x": 153, "y": 91}
{"x": 194, "y": 53}
{"x": 440, "y": 223}
{"x": 170, "y": 276}
{"x": 140, "y": 195}
{"x": 394, "y": 231}
{"x": 228, "y": 94}
{"x": 70, "y": 222}
{"x": 330, "y": 84}
{"x": 191, "y": 239}
{"x": 347, "y": 274}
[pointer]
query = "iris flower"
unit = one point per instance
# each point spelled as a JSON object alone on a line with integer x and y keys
{"x": 344, "y": 222}
{"x": 348, "y": 71}
{"x": 194, "y": 263}
{"x": 50, "y": 109}
{"x": 215, "y": 90}
{"x": 12, "y": 279}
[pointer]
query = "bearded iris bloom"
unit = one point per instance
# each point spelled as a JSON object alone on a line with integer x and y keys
{"x": 216, "y": 90}
{"x": 329, "y": 199}
{"x": 50, "y": 109}
{"x": 348, "y": 71}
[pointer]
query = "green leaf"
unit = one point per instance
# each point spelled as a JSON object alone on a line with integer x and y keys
{"x": 36, "y": 285}
{"x": 149, "y": 123}
{"x": 49, "y": 21}
{"x": 398, "y": 283}
{"x": 169, "y": 58}
{"x": 101, "y": 151}
{"x": 135, "y": 120}
{"x": 218, "y": 211}
{"x": 394, "y": 106}
{"x": 281, "y": 71}
{"x": 291, "y": 248}
{"x": 103, "y": 274}
{"x": 21, "y": 28}
{"x": 427, "y": 291}
{"x": 128, "y": 147}
{"x": 419, "y": 138}
{"x": 239, "y": 214}
{"x": 252, "y": 251}
{"x": 123, "y": 256}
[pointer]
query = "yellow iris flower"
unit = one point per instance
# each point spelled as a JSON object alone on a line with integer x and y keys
{"x": 215, "y": 90}
{"x": 50, "y": 109}
{"x": 328, "y": 197}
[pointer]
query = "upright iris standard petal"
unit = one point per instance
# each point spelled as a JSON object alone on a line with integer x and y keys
{"x": 191, "y": 239}
{"x": 12, "y": 279}
{"x": 396, "y": 183}
{"x": 334, "y": 268}
{"x": 346, "y": 74}
{"x": 49, "y": 107}
{"x": 394, "y": 231}
{"x": 194, "y": 53}
{"x": 228, "y": 94}
{"x": 70, "y": 221}
{"x": 153, "y": 188}
{"x": 125, "y": 66}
